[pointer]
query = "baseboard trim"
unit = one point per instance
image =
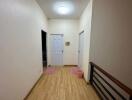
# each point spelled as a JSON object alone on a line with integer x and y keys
{"x": 66, "y": 65}
{"x": 33, "y": 87}
{"x": 70, "y": 65}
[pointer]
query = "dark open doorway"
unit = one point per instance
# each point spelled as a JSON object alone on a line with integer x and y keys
{"x": 44, "y": 47}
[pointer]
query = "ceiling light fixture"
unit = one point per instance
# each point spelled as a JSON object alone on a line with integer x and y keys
{"x": 63, "y": 8}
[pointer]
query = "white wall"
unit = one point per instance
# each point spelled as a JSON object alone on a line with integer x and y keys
{"x": 111, "y": 38}
{"x": 21, "y": 22}
{"x": 85, "y": 24}
{"x": 70, "y": 30}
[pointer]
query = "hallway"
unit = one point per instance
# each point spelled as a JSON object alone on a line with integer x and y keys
{"x": 62, "y": 85}
{"x": 95, "y": 35}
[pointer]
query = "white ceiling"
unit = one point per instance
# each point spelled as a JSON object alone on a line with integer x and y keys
{"x": 47, "y": 7}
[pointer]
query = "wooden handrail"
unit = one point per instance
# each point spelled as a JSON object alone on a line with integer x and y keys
{"x": 117, "y": 82}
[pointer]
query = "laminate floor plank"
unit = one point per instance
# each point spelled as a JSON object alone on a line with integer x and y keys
{"x": 62, "y": 85}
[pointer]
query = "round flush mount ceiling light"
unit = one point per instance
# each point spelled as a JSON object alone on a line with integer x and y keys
{"x": 63, "y": 8}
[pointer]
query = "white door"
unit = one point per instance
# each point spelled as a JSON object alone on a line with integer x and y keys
{"x": 56, "y": 49}
{"x": 81, "y": 48}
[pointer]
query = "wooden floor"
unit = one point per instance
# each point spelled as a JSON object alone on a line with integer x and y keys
{"x": 62, "y": 86}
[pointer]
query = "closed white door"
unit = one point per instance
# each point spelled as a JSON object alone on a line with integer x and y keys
{"x": 56, "y": 50}
{"x": 81, "y": 48}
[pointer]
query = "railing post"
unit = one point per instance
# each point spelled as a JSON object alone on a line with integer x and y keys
{"x": 91, "y": 73}
{"x": 130, "y": 97}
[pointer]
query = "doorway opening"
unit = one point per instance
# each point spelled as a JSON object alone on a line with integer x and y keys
{"x": 44, "y": 48}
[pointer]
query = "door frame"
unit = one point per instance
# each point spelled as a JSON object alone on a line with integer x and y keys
{"x": 82, "y": 32}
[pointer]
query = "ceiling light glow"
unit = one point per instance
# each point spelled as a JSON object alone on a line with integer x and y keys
{"x": 63, "y": 8}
